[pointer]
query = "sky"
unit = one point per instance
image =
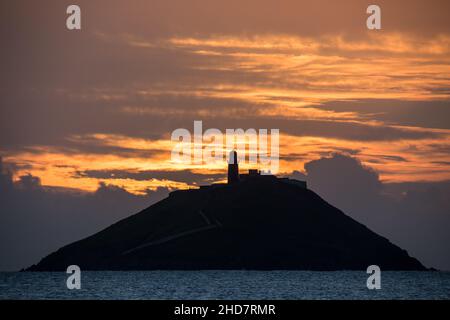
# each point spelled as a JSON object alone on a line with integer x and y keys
{"x": 93, "y": 110}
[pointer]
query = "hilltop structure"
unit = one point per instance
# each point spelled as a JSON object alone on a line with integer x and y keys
{"x": 254, "y": 174}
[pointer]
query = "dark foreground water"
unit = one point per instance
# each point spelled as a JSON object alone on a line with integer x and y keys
{"x": 225, "y": 285}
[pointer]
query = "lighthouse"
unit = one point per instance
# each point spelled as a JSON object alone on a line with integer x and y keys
{"x": 233, "y": 168}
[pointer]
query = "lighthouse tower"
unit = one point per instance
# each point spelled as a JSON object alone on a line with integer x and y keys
{"x": 233, "y": 168}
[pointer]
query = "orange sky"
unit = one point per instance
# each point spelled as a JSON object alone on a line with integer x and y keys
{"x": 107, "y": 98}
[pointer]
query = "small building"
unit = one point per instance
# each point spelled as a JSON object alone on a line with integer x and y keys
{"x": 255, "y": 174}
{"x": 233, "y": 168}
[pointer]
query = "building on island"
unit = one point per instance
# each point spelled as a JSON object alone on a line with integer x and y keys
{"x": 254, "y": 174}
{"x": 233, "y": 168}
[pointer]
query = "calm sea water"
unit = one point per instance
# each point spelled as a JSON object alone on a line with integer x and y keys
{"x": 225, "y": 285}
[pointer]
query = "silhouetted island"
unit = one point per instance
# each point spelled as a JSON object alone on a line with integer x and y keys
{"x": 256, "y": 222}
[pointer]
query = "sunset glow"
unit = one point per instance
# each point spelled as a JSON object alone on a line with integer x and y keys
{"x": 347, "y": 91}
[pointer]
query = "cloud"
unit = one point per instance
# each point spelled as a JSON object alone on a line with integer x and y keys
{"x": 343, "y": 173}
{"x": 186, "y": 176}
{"x": 413, "y": 215}
{"x": 431, "y": 114}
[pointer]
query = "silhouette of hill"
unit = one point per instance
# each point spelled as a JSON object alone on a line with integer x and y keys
{"x": 261, "y": 224}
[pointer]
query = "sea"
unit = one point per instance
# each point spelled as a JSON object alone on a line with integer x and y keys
{"x": 226, "y": 285}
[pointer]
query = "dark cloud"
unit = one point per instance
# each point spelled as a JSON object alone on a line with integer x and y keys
{"x": 339, "y": 129}
{"x": 294, "y": 156}
{"x": 186, "y": 176}
{"x": 382, "y": 158}
{"x": 429, "y": 114}
{"x": 444, "y": 163}
{"x": 342, "y": 172}
{"x": 413, "y": 215}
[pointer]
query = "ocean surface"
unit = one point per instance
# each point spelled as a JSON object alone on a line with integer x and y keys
{"x": 226, "y": 285}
